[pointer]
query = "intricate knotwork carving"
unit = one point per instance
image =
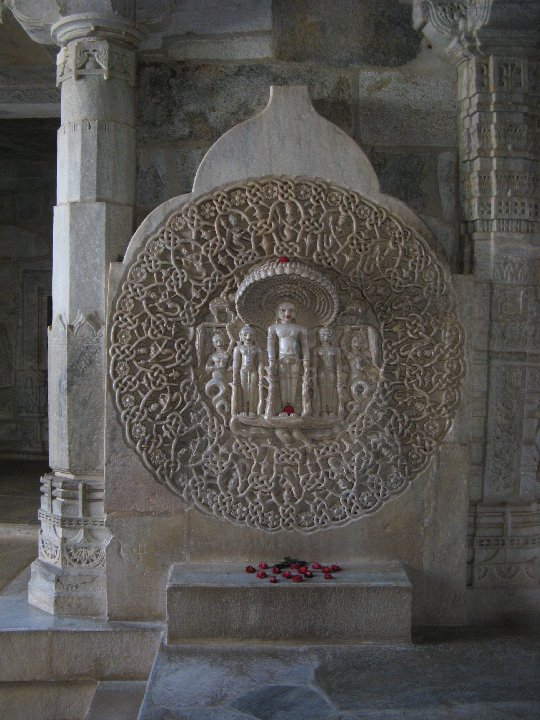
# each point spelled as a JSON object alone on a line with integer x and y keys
{"x": 378, "y": 387}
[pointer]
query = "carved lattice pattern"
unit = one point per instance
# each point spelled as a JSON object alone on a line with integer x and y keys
{"x": 203, "y": 252}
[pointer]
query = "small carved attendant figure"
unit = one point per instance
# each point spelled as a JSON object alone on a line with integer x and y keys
{"x": 218, "y": 363}
{"x": 247, "y": 374}
{"x": 288, "y": 352}
{"x": 357, "y": 376}
{"x": 327, "y": 370}
{"x": 219, "y": 359}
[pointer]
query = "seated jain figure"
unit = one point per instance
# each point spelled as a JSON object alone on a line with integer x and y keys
{"x": 247, "y": 374}
{"x": 288, "y": 361}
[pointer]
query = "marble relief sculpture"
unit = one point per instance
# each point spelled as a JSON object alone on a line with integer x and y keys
{"x": 285, "y": 354}
{"x": 247, "y": 374}
{"x": 288, "y": 361}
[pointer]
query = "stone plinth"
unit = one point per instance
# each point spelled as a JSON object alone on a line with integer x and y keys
{"x": 368, "y": 602}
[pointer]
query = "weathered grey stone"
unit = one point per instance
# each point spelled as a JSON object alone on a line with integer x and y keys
{"x": 240, "y": 47}
{"x": 350, "y": 32}
{"x": 406, "y": 107}
{"x": 317, "y": 610}
{"x": 173, "y": 99}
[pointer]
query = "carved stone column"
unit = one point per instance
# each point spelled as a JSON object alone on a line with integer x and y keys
{"x": 495, "y": 45}
{"x": 92, "y": 226}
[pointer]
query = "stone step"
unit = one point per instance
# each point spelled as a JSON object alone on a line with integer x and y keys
{"x": 38, "y": 647}
{"x": 365, "y": 602}
{"x": 116, "y": 700}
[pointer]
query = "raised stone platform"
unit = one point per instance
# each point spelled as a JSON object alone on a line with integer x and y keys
{"x": 369, "y": 602}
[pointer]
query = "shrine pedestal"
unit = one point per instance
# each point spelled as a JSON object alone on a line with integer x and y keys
{"x": 367, "y": 602}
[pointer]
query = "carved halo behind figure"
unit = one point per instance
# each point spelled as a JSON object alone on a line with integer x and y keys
{"x": 191, "y": 344}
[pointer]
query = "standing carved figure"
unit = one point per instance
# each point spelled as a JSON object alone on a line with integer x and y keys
{"x": 247, "y": 374}
{"x": 357, "y": 375}
{"x": 217, "y": 364}
{"x": 327, "y": 371}
{"x": 288, "y": 360}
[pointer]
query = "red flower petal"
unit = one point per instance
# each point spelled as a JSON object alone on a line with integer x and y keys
{"x": 326, "y": 569}
{"x": 335, "y": 568}
{"x": 273, "y": 579}
{"x": 287, "y": 574}
{"x": 294, "y": 566}
{"x": 316, "y": 566}
{"x": 308, "y": 574}
{"x": 283, "y": 259}
{"x": 288, "y": 409}
{"x": 250, "y": 569}
{"x": 327, "y": 576}
{"x": 261, "y": 574}
{"x": 276, "y": 570}
{"x": 263, "y": 566}
{"x": 297, "y": 578}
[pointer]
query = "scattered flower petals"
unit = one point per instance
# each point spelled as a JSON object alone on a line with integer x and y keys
{"x": 316, "y": 566}
{"x": 263, "y": 565}
{"x": 273, "y": 579}
{"x": 327, "y": 576}
{"x": 250, "y": 569}
{"x": 261, "y": 574}
{"x": 287, "y": 574}
{"x": 276, "y": 570}
{"x": 335, "y": 568}
{"x": 326, "y": 569}
{"x": 297, "y": 578}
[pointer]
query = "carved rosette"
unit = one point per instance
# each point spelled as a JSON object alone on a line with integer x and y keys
{"x": 183, "y": 284}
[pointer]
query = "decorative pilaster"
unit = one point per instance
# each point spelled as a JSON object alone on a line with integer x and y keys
{"x": 495, "y": 45}
{"x": 92, "y": 226}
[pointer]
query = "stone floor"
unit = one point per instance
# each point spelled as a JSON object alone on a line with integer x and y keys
{"x": 457, "y": 675}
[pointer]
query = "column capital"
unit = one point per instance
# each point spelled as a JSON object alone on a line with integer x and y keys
{"x": 465, "y": 28}
{"x": 61, "y": 21}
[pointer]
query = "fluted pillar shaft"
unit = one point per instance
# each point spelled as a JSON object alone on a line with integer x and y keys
{"x": 93, "y": 222}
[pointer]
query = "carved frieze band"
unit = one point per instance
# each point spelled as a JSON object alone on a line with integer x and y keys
{"x": 95, "y": 58}
{"x": 504, "y": 545}
{"x": 74, "y": 535}
{"x": 285, "y": 354}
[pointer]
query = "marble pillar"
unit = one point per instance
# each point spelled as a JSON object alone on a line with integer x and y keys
{"x": 495, "y": 46}
{"x": 93, "y": 222}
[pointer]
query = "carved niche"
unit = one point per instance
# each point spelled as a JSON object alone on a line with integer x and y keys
{"x": 285, "y": 354}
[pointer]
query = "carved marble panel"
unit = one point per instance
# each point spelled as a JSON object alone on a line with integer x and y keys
{"x": 285, "y": 354}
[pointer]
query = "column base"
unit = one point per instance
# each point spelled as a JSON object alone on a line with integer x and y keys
{"x": 67, "y": 591}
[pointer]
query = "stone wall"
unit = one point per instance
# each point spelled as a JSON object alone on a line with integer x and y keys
{"x": 27, "y": 188}
{"x": 367, "y": 69}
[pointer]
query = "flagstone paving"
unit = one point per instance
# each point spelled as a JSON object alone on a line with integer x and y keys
{"x": 459, "y": 675}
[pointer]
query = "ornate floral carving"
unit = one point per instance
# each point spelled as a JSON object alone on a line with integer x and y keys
{"x": 405, "y": 364}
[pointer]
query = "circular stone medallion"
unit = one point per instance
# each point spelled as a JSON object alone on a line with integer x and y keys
{"x": 280, "y": 395}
